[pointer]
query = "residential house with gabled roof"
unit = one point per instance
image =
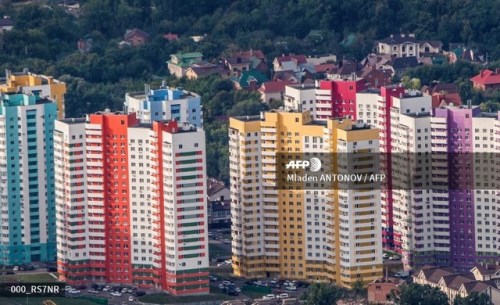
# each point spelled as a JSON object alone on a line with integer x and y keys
{"x": 455, "y": 284}
{"x": 249, "y": 80}
{"x": 180, "y": 62}
{"x": 203, "y": 68}
{"x": 486, "y": 79}
{"x": 407, "y": 45}
{"x": 273, "y": 91}
{"x": 401, "y": 64}
{"x": 246, "y": 61}
{"x": 171, "y": 36}
{"x": 443, "y": 94}
{"x": 375, "y": 78}
{"x": 486, "y": 272}
{"x": 296, "y": 65}
{"x": 136, "y": 37}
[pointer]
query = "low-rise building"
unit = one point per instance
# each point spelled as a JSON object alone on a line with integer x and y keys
{"x": 486, "y": 79}
{"x": 407, "y": 45}
{"x": 180, "y": 62}
{"x": 136, "y": 37}
{"x": 380, "y": 290}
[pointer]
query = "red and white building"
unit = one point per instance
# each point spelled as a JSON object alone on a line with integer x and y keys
{"x": 130, "y": 203}
{"x": 337, "y": 98}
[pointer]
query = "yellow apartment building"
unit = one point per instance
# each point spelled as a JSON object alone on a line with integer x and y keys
{"x": 323, "y": 232}
{"x": 28, "y": 82}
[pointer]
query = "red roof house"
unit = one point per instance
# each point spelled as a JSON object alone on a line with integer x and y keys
{"x": 273, "y": 90}
{"x": 486, "y": 79}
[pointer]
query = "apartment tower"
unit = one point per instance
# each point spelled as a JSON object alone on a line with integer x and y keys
{"x": 328, "y": 234}
{"x": 27, "y": 203}
{"x": 131, "y": 203}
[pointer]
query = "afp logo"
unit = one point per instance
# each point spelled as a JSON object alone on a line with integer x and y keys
{"x": 314, "y": 164}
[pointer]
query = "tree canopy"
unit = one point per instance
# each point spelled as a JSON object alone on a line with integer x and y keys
{"x": 322, "y": 294}
{"x": 473, "y": 299}
{"x": 415, "y": 294}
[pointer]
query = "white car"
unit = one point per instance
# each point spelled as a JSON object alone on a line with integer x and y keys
{"x": 74, "y": 291}
{"x": 283, "y": 296}
{"x": 226, "y": 283}
{"x": 394, "y": 258}
{"x": 16, "y": 268}
{"x": 116, "y": 294}
{"x": 93, "y": 291}
{"x": 68, "y": 288}
{"x": 130, "y": 298}
{"x": 291, "y": 288}
{"x": 270, "y": 297}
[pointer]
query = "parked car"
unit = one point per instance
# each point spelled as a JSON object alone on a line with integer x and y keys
{"x": 139, "y": 293}
{"x": 130, "y": 298}
{"x": 402, "y": 274}
{"x": 394, "y": 258}
{"x": 74, "y": 291}
{"x": 92, "y": 291}
{"x": 291, "y": 288}
{"x": 116, "y": 294}
{"x": 283, "y": 296}
{"x": 16, "y": 268}
{"x": 270, "y": 297}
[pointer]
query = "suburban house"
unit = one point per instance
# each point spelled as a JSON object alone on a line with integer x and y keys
{"x": 180, "y": 62}
{"x": 217, "y": 190}
{"x": 246, "y": 61}
{"x": 171, "y": 36}
{"x": 401, "y": 64}
{"x": 136, "y": 37}
{"x": 443, "y": 94}
{"x": 407, "y": 45}
{"x": 380, "y": 289}
{"x": 375, "y": 78}
{"x": 273, "y": 91}
{"x": 295, "y": 65}
{"x": 480, "y": 279}
{"x": 249, "y": 80}
{"x": 6, "y": 24}
{"x": 321, "y": 59}
{"x": 486, "y": 79}
{"x": 203, "y": 68}
{"x": 219, "y": 202}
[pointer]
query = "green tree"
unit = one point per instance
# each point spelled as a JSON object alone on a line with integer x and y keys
{"x": 474, "y": 298}
{"x": 415, "y": 294}
{"x": 359, "y": 288}
{"x": 323, "y": 294}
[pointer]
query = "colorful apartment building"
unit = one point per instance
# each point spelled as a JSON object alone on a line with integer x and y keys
{"x": 165, "y": 103}
{"x": 337, "y": 98}
{"x": 27, "y": 203}
{"x": 131, "y": 203}
{"x": 329, "y": 234}
{"x": 439, "y": 196}
{"x": 44, "y": 86}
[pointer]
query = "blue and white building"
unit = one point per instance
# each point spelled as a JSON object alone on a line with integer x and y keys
{"x": 165, "y": 103}
{"x": 27, "y": 199}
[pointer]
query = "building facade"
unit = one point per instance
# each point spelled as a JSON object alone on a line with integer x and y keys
{"x": 165, "y": 104}
{"x": 131, "y": 203}
{"x": 443, "y": 213}
{"x": 44, "y": 86}
{"x": 337, "y": 98}
{"x": 329, "y": 235}
{"x": 27, "y": 221}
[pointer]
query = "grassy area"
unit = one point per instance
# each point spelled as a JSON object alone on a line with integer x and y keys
{"x": 28, "y": 278}
{"x": 215, "y": 295}
{"x": 216, "y": 250}
{"x": 39, "y": 301}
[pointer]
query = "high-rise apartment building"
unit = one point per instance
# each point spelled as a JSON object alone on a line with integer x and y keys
{"x": 438, "y": 201}
{"x": 330, "y": 234}
{"x": 41, "y": 85}
{"x": 165, "y": 103}
{"x": 27, "y": 203}
{"x": 131, "y": 203}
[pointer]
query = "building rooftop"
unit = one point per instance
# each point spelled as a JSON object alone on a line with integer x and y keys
{"x": 73, "y": 120}
{"x": 418, "y": 114}
{"x": 248, "y": 118}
